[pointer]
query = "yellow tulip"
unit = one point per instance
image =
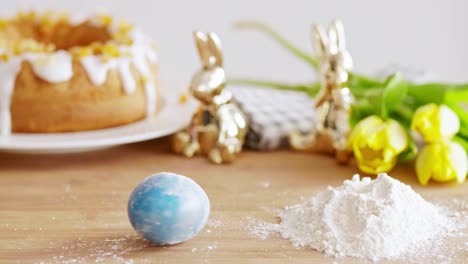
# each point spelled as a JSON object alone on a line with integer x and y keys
{"x": 442, "y": 161}
{"x": 435, "y": 123}
{"x": 376, "y": 144}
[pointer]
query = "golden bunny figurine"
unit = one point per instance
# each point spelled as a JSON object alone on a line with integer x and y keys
{"x": 333, "y": 103}
{"x": 218, "y": 127}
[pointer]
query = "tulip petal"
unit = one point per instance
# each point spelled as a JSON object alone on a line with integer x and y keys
{"x": 371, "y": 147}
{"x": 397, "y": 136}
{"x": 376, "y": 140}
{"x": 449, "y": 122}
{"x": 440, "y": 163}
{"x": 423, "y": 164}
{"x": 459, "y": 160}
{"x": 367, "y": 169}
{"x": 386, "y": 166}
{"x": 427, "y": 123}
{"x": 363, "y": 127}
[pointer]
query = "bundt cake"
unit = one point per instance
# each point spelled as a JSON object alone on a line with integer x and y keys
{"x": 61, "y": 73}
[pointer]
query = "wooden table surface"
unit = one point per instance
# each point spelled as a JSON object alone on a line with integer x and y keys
{"x": 71, "y": 208}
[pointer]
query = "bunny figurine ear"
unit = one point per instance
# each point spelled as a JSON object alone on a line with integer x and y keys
{"x": 201, "y": 43}
{"x": 336, "y": 32}
{"x": 320, "y": 40}
{"x": 214, "y": 45}
{"x": 209, "y": 49}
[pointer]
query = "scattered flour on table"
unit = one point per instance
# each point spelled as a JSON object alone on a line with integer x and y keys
{"x": 373, "y": 219}
{"x": 214, "y": 223}
{"x": 210, "y": 247}
{"x": 264, "y": 184}
{"x": 86, "y": 250}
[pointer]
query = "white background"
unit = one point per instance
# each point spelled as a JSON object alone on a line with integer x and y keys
{"x": 431, "y": 35}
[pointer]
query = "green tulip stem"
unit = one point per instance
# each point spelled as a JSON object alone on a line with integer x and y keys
{"x": 310, "y": 89}
{"x": 280, "y": 40}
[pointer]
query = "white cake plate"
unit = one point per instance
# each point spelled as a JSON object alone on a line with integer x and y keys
{"x": 172, "y": 117}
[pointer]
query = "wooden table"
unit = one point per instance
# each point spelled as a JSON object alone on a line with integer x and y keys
{"x": 71, "y": 208}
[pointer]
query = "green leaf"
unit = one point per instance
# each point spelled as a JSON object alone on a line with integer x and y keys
{"x": 361, "y": 109}
{"x": 359, "y": 83}
{"x": 310, "y": 89}
{"x": 433, "y": 92}
{"x": 410, "y": 153}
{"x": 457, "y": 100}
{"x": 403, "y": 113}
{"x": 280, "y": 40}
{"x": 376, "y": 99}
{"x": 462, "y": 141}
{"x": 393, "y": 94}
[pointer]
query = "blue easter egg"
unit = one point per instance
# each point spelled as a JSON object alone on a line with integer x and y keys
{"x": 167, "y": 208}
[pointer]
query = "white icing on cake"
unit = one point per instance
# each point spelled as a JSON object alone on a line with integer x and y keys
{"x": 126, "y": 75}
{"x": 57, "y": 67}
{"x": 97, "y": 69}
{"x": 152, "y": 56}
{"x": 8, "y": 72}
{"x": 141, "y": 63}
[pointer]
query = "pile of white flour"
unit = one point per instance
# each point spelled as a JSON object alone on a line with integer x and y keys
{"x": 374, "y": 219}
